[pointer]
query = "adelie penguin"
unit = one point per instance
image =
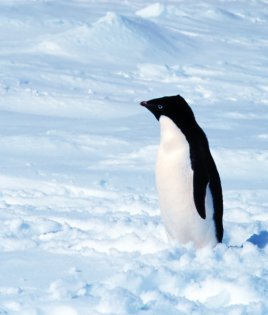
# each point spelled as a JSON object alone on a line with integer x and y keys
{"x": 188, "y": 183}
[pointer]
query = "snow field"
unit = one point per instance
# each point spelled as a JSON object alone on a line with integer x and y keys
{"x": 81, "y": 231}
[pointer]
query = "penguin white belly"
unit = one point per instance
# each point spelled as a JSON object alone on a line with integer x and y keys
{"x": 174, "y": 177}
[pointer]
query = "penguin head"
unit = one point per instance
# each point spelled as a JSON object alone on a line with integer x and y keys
{"x": 174, "y": 107}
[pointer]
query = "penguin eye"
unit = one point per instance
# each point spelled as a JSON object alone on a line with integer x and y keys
{"x": 160, "y": 106}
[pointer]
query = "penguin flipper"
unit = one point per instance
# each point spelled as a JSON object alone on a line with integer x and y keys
{"x": 200, "y": 182}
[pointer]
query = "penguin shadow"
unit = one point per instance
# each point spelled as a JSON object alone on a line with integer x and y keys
{"x": 260, "y": 240}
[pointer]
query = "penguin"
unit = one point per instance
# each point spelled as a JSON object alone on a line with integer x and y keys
{"x": 187, "y": 179}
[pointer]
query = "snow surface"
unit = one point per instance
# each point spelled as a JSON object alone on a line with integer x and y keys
{"x": 81, "y": 231}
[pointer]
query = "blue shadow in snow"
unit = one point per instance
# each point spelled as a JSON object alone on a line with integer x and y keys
{"x": 261, "y": 239}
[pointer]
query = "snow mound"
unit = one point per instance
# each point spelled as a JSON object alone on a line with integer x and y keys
{"x": 110, "y": 38}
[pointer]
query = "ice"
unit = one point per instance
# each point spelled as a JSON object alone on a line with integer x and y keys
{"x": 153, "y": 10}
{"x": 81, "y": 231}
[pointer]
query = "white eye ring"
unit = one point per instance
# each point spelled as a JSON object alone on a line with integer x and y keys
{"x": 160, "y": 106}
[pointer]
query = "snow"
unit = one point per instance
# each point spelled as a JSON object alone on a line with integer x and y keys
{"x": 81, "y": 231}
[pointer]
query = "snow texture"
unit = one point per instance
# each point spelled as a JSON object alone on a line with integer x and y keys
{"x": 81, "y": 231}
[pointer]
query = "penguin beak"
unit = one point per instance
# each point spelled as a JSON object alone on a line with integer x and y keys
{"x": 144, "y": 103}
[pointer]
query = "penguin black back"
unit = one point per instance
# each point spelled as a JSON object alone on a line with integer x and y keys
{"x": 205, "y": 172}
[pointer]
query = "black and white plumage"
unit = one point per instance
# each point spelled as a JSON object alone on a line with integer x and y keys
{"x": 189, "y": 186}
